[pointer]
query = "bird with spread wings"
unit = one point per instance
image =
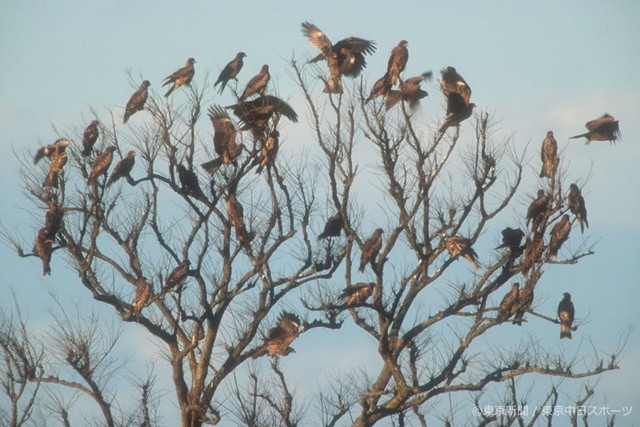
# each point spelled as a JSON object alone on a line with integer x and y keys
{"x": 409, "y": 91}
{"x": 224, "y": 139}
{"x": 280, "y": 337}
{"x": 458, "y": 95}
{"x": 605, "y": 128}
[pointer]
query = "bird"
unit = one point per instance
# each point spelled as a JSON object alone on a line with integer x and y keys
{"x": 523, "y": 304}
{"x": 256, "y": 113}
{"x": 577, "y": 206}
{"x": 43, "y": 248}
{"x": 178, "y": 275}
{"x": 230, "y": 71}
{"x": 53, "y": 220}
{"x": 511, "y": 238}
{"x": 538, "y": 209}
{"x": 332, "y": 227}
{"x": 533, "y": 250}
{"x": 409, "y": 91}
{"x": 100, "y": 165}
{"x": 224, "y": 139}
{"x": 397, "y": 61}
{"x": 458, "y": 95}
{"x": 55, "y": 167}
{"x": 268, "y": 151}
{"x": 181, "y": 77}
{"x": 566, "y": 313}
{"x": 549, "y": 156}
{"x": 257, "y": 84}
{"x": 459, "y": 112}
{"x": 89, "y": 137}
{"x": 559, "y": 235}
{"x": 51, "y": 150}
{"x": 137, "y": 101}
{"x": 280, "y": 337}
{"x": 605, "y": 128}
{"x": 236, "y": 218}
{"x": 357, "y": 294}
{"x": 509, "y": 304}
{"x": 144, "y": 290}
{"x": 123, "y": 168}
{"x": 189, "y": 181}
{"x": 458, "y": 245}
{"x": 370, "y": 249}
{"x": 380, "y": 88}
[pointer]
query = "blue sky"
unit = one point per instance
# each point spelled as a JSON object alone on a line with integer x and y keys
{"x": 536, "y": 66}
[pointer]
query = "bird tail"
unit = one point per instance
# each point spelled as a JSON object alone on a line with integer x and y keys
{"x": 213, "y": 165}
{"x": 393, "y": 97}
{"x": 362, "y": 266}
{"x": 565, "y": 331}
{"x": 584, "y": 135}
{"x": 171, "y": 89}
{"x": 259, "y": 352}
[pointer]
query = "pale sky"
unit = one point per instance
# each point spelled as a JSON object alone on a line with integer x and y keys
{"x": 537, "y": 66}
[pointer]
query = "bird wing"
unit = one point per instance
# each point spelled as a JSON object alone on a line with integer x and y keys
{"x": 224, "y": 130}
{"x": 318, "y": 39}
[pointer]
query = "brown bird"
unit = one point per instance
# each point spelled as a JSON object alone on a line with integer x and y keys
{"x": 538, "y": 209}
{"x": 357, "y": 294}
{"x": 566, "y": 313}
{"x": 280, "y": 337}
{"x": 55, "y": 168}
{"x": 606, "y": 128}
{"x": 178, "y": 275}
{"x": 236, "y": 218}
{"x": 100, "y": 165}
{"x": 397, "y": 61}
{"x": 452, "y": 82}
{"x": 511, "y": 238}
{"x": 559, "y": 235}
{"x": 181, "y": 77}
{"x": 123, "y": 168}
{"x": 137, "y": 101}
{"x": 52, "y": 150}
{"x": 409, "y": 92}
{"x": 144, "y": 290}
{"x": 53, "y": 220}
{"x": 256, "y": 113}
{"x": 224, "y": 139}
{"x": 257, "y": 84}
{"x": 189, "y": 181}
{"x": 43, "y": 248}
{"x": 549, "y": 156}
{"x": 459, "y": 112}
{"x": 458, "y": 245}
{"x": 269, "y": 151}
{"x": 532, "y": 252}
{"x": 509, "y": 304}
{"x": 370, "y": 249}
{"x": 380, "y": 88}
{"x": 332, "y": 227}
{"x": 230, "y": 71}
{"x": 577, "y": 206}
{"x": 89, "y": 137}
{"x": 525, "y": 300}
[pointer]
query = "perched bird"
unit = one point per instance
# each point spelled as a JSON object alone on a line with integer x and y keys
{"x": 559, "y": 235}
{"x": 538, "y": 209}
{"x": 577, "y": 206}
{"x": 230, "y": 71}
{"x": 89, "y": 137}
{"x": 256, "y": 113}
{"x": 144, "y": 290}
{"x": 224, "y": 139}
{"x": 189, "y": 181}
{"x": 123, "y": 168}
{"x": 280, "y": 337}
{"x": 178, "y": 275}
{"x": 269, "y": 151}
{"x": 524, "y": 302}
{"x": 509, "y": 304}
{"x": 380, "y": 88}
{"x": 257, "y": 84}
{"x": 606, "y": 128}
{"x": 357, "y": 294}
{"x": 55, "y": 167}
{"x": 181, "y": 77}
{"x": 409, "y": 92}
{"x": 43, "y": 248}
{"x": 100, "y": 165}
{"x": 511, "y": 238}
{"x": 332, "y": 227}
{"x": 549, "y": 156}
{"x": 397, "y": 61}
{"x": 370, "y": 249}
{"x": 137, "y": 101}
{"x": 566, "y": 313}
{"x": 236, "y": 218}
{"x": 532, "y": 252}
{"x": 53, "y": 220}
{"x": 459, "y": 112}
{"x": 52, "y": 150}
{"x": 461, "y": 246}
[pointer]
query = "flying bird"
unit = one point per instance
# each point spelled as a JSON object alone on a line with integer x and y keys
{"x": 137, "y": 101}
{"x": 538, "y": 209}
{"x": 224, "y": 139}
{"x": 332, "y": 227}
{"x": 397, "y": 61}
{"x": 559, "y": 235}
{"x": 230, "y": 71}
{"x": 577, "y": 206}
{"x": 52, "y": 150}
{"x": 409, "y": 92}
{"x": 89, "y": 137}
{"x": 178, "y": 275}
{"x": 123, "y": 168}
{"x": 100, "y": 165}
{"x": 357, "y": 294}
{"x": 511, "y": 238}
{"x": 189, "y": 181}
{"x": 370, "y": 249}
{"x": 549, "y": 156}
{"x": 566, "y": 313}
{"x": 606, "y": 128}
{"x": 43, "y": 248}
{"x": 181, "y": 77}
{"x": 280, "y": 337}
{"x": 458, "y": 95}
{"x": 523, "y": 304}
{"x": 509, "y": 304}
{"x": 532, "y": 252}
{"x": 461, "y": 246}
{"x": 269, "y": 151}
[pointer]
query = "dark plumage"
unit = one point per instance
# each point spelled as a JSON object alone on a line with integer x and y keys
{"x": 523, "y": 304}
{"x": 606, "y": 128}
{"x": 332, "y": 227}
{"x": 509, "y": 304}
{"x": 236, "y": 218}
{"x": 566, "y": 313}
{"x": 268, "y": 151}
{"x": 370, "y": 249}
{"x": 123, "y": 168}
{"x": 511, "y": 238}
{"x": 256, "y": 113}
{"x": 397, "y": 61}
{"x": 577, "y": 206}
{"x": 89, "y": 137}
{"x": 181, "y": 77}
{"x": 51, "y": 150}
{"x": 43, "y": 248}
{"x": 137, "y": 101}
{"x": 458, "y": 95}
{"x": 230, "y": 71}
{"x": 224, "y": 139}
{"x": 257, "y": 84}
{"x": 357, "y": 294}
{"x": 538, "y": 209}
{"x": 380, "y": 88}
{"x": 100, "y": 165}
{"x": 549, "y": 156}
{"x": 178, "y": 275}
{"x": 532, "y": 252}
{"x": 461, "y": 246}
{"x": 280, "y": 337}
{"x": 559, "y": 235}
{"x": 53, "y": 220}
{"x": 409, "y": 91}
{"x": 189, "y": 181}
